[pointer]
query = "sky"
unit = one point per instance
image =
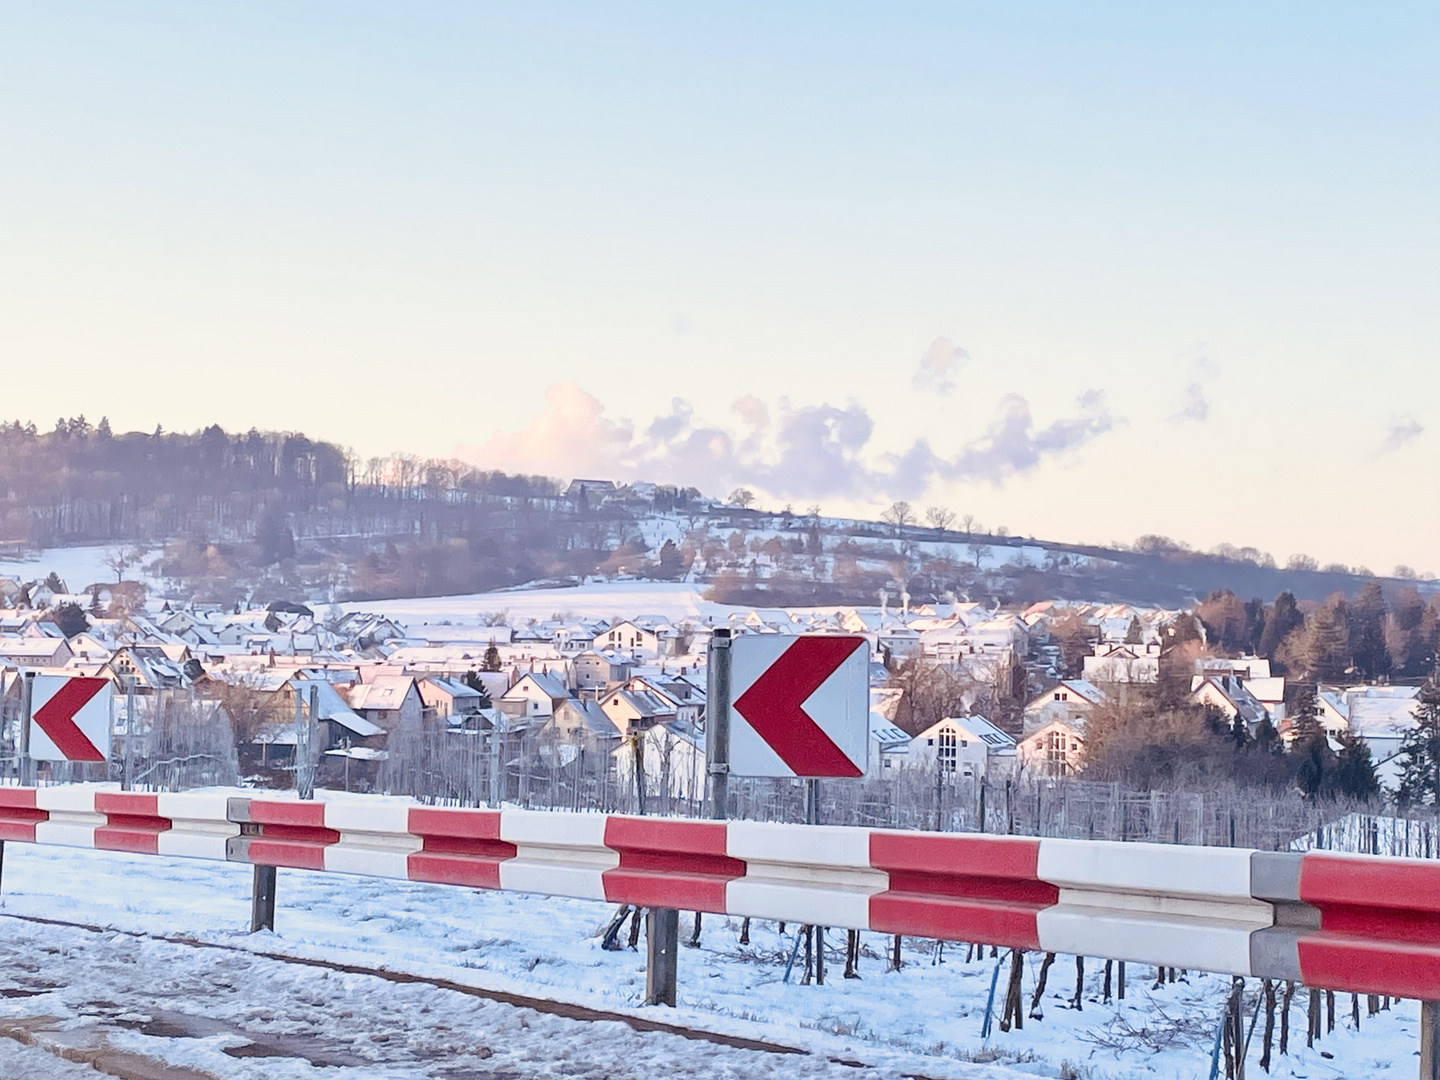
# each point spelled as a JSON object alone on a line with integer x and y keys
{"x": 1085, "y": 270}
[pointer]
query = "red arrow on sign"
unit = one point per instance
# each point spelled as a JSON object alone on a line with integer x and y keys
{"x": 774, "y": 706}
{"x": 57, "y": 718}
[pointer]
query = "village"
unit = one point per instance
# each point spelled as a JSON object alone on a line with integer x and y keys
{"x": 450, "y": 708}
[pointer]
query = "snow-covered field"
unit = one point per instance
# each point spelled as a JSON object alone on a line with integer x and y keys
{"x": 924, "y": 1019}
{"x": 622, "y": 599}
{"x": 77, "y": 566}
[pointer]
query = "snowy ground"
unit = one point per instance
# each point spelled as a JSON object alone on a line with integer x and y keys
{"x": 922, "y": 1020}
{"x": 622, "y": 599}
{"x": 78, "y": 567}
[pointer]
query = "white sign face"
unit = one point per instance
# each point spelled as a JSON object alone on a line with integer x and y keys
{"x": 799, "y": 706}
{"x": 70, "y": 719}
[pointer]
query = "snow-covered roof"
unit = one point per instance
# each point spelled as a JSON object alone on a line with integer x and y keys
{"x": 995, "y": 740}
{"x": 331, "y": 706}
{"x": 382, "y": 692}
{"x": 546, "y": 683}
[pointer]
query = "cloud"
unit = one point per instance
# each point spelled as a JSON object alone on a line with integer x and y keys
{"x": 807, "y": 451}
{"x": 1195, "y": 405}
{"x": 939, "y": 366}
{"x": 753, "y": 411}
{"x": 1400, "y": 433}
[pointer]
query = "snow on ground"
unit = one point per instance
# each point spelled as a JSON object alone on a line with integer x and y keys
{"x": 621, "y": 599}
{"x": 924, "y": 1019}
{"x": 209, "y": 1013}
{"x": 77, "y": 566}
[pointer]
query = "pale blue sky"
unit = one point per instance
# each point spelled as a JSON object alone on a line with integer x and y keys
{"x": 400, "y": 225}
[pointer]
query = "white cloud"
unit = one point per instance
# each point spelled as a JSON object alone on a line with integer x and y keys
{"x": 939, "y": 366}
{"x": 809, "y": 451}
{"x": 1195, "y": 404}
{"x": 1400, "y": 433}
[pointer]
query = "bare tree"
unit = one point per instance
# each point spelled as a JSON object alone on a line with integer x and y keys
{"x": 940, "y": 517}
{"x": 899, "y": 514}
{"x": 967, "y": 522}
{"x": 742, "y": 497}
{"x": 120, "y": 559}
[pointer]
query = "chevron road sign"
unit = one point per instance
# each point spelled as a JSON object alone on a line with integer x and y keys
{"x": 70, "y": 719}
{"x": 800, "y": 705}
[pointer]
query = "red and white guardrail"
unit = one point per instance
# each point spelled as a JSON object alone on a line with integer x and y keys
{"x": 1342, "y": 922}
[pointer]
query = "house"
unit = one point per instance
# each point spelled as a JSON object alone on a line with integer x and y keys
{"x": 889, "y": 748}
{"x": 674, "y": 763}
{"x": 149, "y": 668}
{"x": 340, "y": 724}
{"x": 1242, "y": 667}
{"x": 1227, "y": 694}
{"x": 449, "y": 697}
{"x": 599, "y": 670}
{"x": 1380, "y": 715}
{"x": 685, "y": 697}
{"x": 535, "y": 694}
{"x": 1001, "y": 756}
{"x": 1270, "y": 692}
{"x": 388, "y": 700}
{"x": 1057, "y": 749}
{"x": 950, "y": 747}
{"x": 637, "y": 709}
{"x": 572, "y": 638}
{"x": 1122, "y": 663}
{"x": 656, "y": 640}
{"x": 1073, "y": 699}
{"x": 590, "y": 493}
{"x": 35, "y": 652}
{"x": 898, "y": 642}
{"x": 366, "y": 630}
{"x": 580, "y": 722}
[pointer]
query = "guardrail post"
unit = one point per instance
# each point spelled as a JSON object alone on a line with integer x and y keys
{"x": 1430, "y": 1040}
{"x": 662, "y": 940}
{"x": 262, "y": 900}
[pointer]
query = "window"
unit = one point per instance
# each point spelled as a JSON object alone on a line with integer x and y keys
{"x": 948, "y": 752}
{"x": 1056, "y": 759}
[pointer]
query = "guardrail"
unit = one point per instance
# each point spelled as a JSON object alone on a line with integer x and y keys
{"x": 1341, "y": 922}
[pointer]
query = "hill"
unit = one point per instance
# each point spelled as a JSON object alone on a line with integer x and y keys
{"x": 269, "y": 515}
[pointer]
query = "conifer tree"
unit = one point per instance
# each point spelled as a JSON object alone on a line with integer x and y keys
{"x": 1420, "y": 752}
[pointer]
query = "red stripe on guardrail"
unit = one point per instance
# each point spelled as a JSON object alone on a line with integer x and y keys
{"x": 289, "y": 834}
{"x": 1379, "y": 925}
{"x": 18, "y": 814}
{"x": 132, "y": 822}
{"x": 462, "y": 847}
{"x": 960, "y": 888}
{"x": 673, "y": 864}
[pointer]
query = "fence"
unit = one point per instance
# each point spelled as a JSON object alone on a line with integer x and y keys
{"x": 448, "y": 768}
{"x": 180, "y": 743}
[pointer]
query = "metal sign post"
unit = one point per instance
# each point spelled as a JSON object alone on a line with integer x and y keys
{"x": 27, "y": 697}
{"x": 128, "y": 780}
{"x": 717, "y": 723}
